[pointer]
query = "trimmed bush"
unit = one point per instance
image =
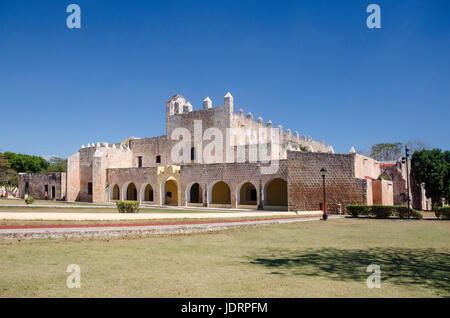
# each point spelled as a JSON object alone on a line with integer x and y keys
{"x": 29, "y": 200}
{"x": 402, "y": 212}
{"x": 442, "y": 212}
{"x": 127, "y": 206}
{"x": 382, "y": 211}
{"x": 358, "y": 209}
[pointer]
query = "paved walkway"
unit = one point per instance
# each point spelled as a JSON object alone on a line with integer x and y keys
{"x": 113, "y": 206}
{"x": 27, "y": 215}
{"x": 115, "y": 230}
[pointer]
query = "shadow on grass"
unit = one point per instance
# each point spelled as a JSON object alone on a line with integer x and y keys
{"x": 401, "y": 266}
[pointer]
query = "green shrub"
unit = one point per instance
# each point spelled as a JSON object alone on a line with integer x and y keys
{"x": 402, "y": 212}
{"x": 127, "y": 206}
{"x": 29, "y": 200}
{"x": 442, "y": 212}
{"x": 358, "y": 209}
{"x": 382, "y": 211}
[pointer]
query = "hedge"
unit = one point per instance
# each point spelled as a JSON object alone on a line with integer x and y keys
{"x": 402, "y": 212}
{"x": 29, "y": 200}
{"x": 442, "y": 212}
{"x": 127, "y": 206}
{"x": 358, "y": 209}
{"x": 382, "y": 211}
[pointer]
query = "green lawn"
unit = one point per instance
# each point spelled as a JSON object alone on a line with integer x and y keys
{"x": 307, "y": 259}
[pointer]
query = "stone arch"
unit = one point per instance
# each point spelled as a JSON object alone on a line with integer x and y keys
{"x": 123, "y": 194}
{"x": 169, "y": 191}
{"x": 129, "y": 192}
{"x": 219, "y": 194}
{"x": 194, "y": 194}
{"x": 147, "y": 193}
{"x": 246, "y": 194}
{"x": 275, "y": 194}
{"x": 114, "y": 192}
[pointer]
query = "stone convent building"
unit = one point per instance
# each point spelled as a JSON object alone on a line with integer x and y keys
{"x": 143, "y": 169}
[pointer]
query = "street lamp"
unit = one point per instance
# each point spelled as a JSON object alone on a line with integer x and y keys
{"x": 323, "y": 172}
{"x": 407, "y": 180}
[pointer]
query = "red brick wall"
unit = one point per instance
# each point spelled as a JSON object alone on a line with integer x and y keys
{"x": 305, "y": 190}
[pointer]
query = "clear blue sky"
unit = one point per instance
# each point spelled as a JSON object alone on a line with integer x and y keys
{"x": 312, "y": 66}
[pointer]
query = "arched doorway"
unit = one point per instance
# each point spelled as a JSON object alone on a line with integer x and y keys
{"x": 170, "y": 192}
{"x": 131, "y": 192}
{"x": 194, "y": 195}
{"x": 148, "y": 194}
{"x": 247, "y": 195}
{"x": 116, "y": 193}
{"x": 275, "y": 195}
{"x": 220, "y": 195}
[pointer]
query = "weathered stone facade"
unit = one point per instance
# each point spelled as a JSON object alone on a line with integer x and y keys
{"x": 248, "y": 168}
{"x": 397, "y": 172}
{"x": 37, "y": 184}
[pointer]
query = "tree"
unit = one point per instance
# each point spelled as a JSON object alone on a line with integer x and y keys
{"x": 393, "y": 151}
{"x": 432, "y": 168}
{"x": 26, "y": 163}
{"x": 416, "y": 144}
{"x": 386, "y": 151}
{"x": 56, "y": 164}
{"x": 447, "y": 177}
{"x": 4, "y": 163}
{"x": 8, "y": 177}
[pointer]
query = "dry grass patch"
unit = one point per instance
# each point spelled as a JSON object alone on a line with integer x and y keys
{"x": 306, "y": 259}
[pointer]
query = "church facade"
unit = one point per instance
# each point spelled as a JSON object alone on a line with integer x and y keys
{"x": 214, "y": 157}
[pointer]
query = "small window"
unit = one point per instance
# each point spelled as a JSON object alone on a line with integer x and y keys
{"x": 192, "y": 153}
{"x": 89, "y": 187}
{"x": 140, "y": 162}
{"x": 169, "y": 194}
{"x": 158, "y": 159}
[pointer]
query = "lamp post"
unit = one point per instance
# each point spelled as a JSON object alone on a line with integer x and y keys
{"x": 323, "y": 172}
{"x": 405, "y": 160}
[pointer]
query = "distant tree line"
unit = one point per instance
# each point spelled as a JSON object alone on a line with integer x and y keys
{"x": 13, "y": 163}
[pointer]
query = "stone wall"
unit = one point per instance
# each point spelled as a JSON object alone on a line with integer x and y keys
{"x": 366, "y": 167}
{"x": 89, "y": 165}
{"x": 382, "y": 192}
{"x": 141, "y": 177}
{"x": 73, "y": 178}
{"x": 305, "y": 185}
{"x": 233, "y": 174}
{"x": 397, "y": 173}
{"x": 36, "y": 182}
